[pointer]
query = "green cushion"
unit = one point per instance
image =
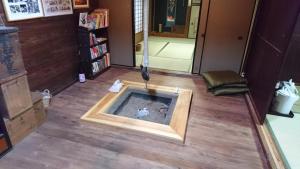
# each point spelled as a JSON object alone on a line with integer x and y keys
{"x": 229, "y": 91}
{"x": 221, "y": 78}
{"x": 239, "y": 85}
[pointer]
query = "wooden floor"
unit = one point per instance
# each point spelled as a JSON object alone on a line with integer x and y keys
{"x": 220, "y": 134}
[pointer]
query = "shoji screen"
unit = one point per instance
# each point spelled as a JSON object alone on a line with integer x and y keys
{"x": 138, "y": 15}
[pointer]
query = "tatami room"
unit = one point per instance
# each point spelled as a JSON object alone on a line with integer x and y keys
{"x": 149, "y": 84}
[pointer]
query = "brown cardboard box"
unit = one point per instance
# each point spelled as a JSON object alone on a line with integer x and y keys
{"x": 21, "y": 126}
{"x": 14, "y": 95}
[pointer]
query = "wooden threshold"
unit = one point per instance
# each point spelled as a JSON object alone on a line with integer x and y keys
{"x": 175, "y": 131}
{"x": 271, "y": 151}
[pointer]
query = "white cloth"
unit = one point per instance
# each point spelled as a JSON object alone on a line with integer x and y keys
{"x": 142, "y": 113}
{"x": 116, "y": 87}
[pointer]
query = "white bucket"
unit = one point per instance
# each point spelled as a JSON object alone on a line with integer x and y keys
{"x": 46, "y": 98}
{"x": 283, "y": 104}
{"x": 81, "y": 78}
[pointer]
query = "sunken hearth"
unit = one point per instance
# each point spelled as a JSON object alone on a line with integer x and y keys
{"x": 158, "y": 110}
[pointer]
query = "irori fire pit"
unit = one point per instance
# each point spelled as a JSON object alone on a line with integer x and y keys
{"x": 159, "y": 110}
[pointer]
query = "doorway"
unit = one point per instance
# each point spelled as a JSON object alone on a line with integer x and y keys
{"x": 194, "y": 36}
{"x": 173, "y": 26}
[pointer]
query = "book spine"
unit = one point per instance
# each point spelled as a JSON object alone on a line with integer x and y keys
{"x": 108, "y": 59}
{"x": 91, "y": 39}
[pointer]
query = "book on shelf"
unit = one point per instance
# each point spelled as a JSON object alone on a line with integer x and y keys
{"x": 83, "y": 19}
{"x": 98, "y": 51}
{"x": 107, "y": 56}
{"x": 103, "y": 48}
{"x": 101, "y": 64}
{"x": 91, "y": 22}
{"x": 99, "y": 18}
{"x": 94, "y": 40}
{"x": 103, "y": 17}
{"x": 95, "y": 52}
{"x": 99, "y": 40}
{"x": 95, "y": 67}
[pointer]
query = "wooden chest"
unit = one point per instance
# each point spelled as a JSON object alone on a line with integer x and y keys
{"x": 39, "y": 110}
{"x": 14, "y": 95}
{"x": 20, "y": 126}
{"x": 11, "y": 61}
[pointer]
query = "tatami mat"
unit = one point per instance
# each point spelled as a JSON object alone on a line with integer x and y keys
{"x": 174, "y": 54}
{"x": 182, "y": 65}
{"x": 285, "y": 132}
{"x": 178, "y": 51}
{"x": 154, "y": 47}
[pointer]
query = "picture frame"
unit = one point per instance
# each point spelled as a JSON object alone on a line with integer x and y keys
{"x": 83, "y": 19}
{"x": 79, "y": 4}
{"x": 57, "y": 7}
{"x": 16, "y": 10}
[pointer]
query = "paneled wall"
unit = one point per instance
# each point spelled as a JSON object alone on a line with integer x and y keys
{"x": 275, "y": 23}
{"x": 49, "y": 48}
{"x": 291, "y": 68}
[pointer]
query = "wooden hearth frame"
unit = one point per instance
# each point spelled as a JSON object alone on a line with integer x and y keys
{"x": 175, "y": 131}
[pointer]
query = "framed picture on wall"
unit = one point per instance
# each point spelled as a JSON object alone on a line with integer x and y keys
{"x": 57, "y": 7}
{"x": 77, "y": 4}
{"x": 16, "y": 10}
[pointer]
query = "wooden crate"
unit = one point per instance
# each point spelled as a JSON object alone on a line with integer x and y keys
{"x": 21, "y": 126}
{"x": 11, "y": 61}
{"x": 39, "y": 110}
{"x": 14, "y": 95}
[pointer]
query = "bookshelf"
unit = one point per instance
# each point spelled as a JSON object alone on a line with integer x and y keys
{"x": 94, "y": 51}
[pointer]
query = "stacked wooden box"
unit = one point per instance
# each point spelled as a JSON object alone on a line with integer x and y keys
{"x": 21, "y": 113}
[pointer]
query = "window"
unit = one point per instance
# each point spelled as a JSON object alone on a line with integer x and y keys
{"x": 138, "y": 15}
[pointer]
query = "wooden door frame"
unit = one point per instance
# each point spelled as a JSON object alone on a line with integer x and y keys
{"x": 133, "y": 34}
{"x": 197, "y": 38}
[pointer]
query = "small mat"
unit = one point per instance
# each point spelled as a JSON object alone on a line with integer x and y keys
{"x": 221, "y": 78}
{"x": 229, "y": 91}
{"x": 225, "y": 83}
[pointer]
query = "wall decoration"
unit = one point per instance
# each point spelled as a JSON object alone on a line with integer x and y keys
{"x": 83, "y": 19}
{"x": 171, "y": 13}
{"x": 57, "y": 7}
{"x": 22, "y": 9}
{"x": 81, "y": 4}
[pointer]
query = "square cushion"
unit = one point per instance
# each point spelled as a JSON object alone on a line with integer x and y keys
{"x": 221, "y": 78}
{"x": 229, "y": 91}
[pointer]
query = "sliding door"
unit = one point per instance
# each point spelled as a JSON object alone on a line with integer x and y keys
{"x": 275, "y": 24}
{"x": 228, "y": 26}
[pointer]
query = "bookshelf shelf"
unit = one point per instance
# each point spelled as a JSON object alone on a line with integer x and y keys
{"x": 99, "y": 57}
{"x": 99, "y": 43}
{"x": 94, "y": 51}
{"x": 94, "y": 55}
{"x": 93, "y": 66}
